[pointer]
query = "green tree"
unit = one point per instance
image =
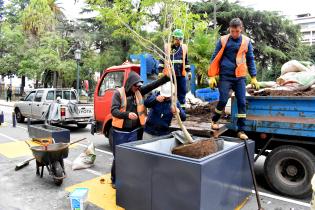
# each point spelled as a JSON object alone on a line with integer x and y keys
{"x": 38, "y": 18}
{"x": 202, "y": 47}
{"x": 11, "y": 48}
{"x": 275, "y": 38}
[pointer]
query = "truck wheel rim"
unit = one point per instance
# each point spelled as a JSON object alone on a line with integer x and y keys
{"x": 291, "y": 171}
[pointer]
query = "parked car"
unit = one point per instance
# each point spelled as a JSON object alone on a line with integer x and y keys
{"x": 37, "y": 102}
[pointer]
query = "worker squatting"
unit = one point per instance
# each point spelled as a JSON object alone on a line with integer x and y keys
{"x": 232, "y": 59}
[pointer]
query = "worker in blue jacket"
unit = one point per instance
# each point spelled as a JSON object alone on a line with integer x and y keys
{"x": 232, "y": 58}
{"x": 177, "y": 51}
{"x": 161, "y": 113}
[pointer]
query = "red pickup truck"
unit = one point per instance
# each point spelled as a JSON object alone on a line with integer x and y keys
{"x": 112, "y": 78}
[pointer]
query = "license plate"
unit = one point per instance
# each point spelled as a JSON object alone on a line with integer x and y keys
{"x": 85, "y": 111}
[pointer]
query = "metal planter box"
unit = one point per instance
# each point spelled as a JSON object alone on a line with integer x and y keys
{"x": 49, "y": 131}
{"x": 149, "y": 177}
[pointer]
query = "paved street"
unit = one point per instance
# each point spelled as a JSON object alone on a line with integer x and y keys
{"x": 24, "y": 190}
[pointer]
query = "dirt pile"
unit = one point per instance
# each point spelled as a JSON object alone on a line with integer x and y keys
{"x": 197, "y": 149}
{"x": 310, "y": 92}
{"x": 199, "y": 110}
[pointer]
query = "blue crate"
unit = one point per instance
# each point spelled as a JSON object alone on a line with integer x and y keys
{"x": 208, "y": 94}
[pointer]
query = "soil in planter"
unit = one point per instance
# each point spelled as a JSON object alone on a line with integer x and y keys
{"x": 197, "y": 149}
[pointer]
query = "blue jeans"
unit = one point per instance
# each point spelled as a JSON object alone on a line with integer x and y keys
{"x": 181, "y": 89}
{"x": 120, "y": 137}
{"x": 238, "y": 85}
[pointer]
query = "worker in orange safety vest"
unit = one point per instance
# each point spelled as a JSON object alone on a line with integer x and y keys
{"x": 177, "y": 51}
{"x": 129, "y": 113}
{"x": 232, "y": 58}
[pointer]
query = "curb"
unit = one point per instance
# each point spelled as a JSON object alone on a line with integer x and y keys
{"x": 6, "y": 105}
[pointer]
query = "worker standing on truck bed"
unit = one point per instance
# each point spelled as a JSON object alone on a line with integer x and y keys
{"x": 178, "y": 55}
{"x": 161, "y": 112}
{"x": 129, "y": 112}
{"x": 232, "y": 57}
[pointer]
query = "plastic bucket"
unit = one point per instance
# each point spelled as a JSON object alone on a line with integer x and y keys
{"x": 78, "y": 198}
{"x": 207, "y": 94}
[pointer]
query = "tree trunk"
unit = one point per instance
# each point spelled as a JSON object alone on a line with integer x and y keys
{"x": 55, "y": 79}
{"x": 22, "y": 85}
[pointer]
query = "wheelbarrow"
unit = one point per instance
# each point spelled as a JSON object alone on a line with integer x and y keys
{"x": 51, "y": 156}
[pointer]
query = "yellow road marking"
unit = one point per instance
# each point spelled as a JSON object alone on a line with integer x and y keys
{"x": 102, "y": 195}
{"x": 241, "y": 205}
{"x": 18, "y": 149}
{"x": 4, "y": 124}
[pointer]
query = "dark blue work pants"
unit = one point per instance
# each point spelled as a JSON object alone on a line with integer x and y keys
{"x": 120, "y": 137}
{"x": 181, "y": 89}
{"x": 238, "y": 85}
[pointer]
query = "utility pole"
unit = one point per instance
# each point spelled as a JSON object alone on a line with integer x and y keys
{"x": 77, "y": 56}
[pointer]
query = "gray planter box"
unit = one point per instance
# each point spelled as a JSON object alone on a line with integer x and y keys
{"x": 49, "y": 131}
{"x": 149, "y": 177}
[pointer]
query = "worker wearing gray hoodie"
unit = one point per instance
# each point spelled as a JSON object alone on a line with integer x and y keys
{"x": 129, "y": 113}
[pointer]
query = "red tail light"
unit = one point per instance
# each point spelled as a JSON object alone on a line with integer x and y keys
{"x": 63, "y": 112}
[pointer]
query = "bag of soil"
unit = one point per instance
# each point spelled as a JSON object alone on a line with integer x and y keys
{"x": 85, "y": 159}
{"x": 293, "y": 66}
{"x": 297, "y": 80}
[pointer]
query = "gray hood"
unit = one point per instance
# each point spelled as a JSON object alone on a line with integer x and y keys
{"x": 133, "y": 78}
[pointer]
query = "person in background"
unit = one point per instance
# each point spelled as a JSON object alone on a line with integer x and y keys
{"x": 232, "y": 57}
{"x": 178, "y": 53}
{"x": 161, "y": 112}
{"x": 129, "y": 112}
{"x": 9, "y": 93}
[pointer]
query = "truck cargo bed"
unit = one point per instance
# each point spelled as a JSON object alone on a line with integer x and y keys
{"x": 284, "y": 115}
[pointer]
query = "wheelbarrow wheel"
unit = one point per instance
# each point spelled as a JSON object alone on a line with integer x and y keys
{"x": 57, "y": 172}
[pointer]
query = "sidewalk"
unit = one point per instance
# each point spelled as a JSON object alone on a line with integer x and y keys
{"x": 5, "y": 103}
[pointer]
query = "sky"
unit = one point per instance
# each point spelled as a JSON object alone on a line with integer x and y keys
{"x": 289, "y": 8}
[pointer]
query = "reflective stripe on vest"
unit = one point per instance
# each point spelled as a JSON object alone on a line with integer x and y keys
{"x": 241, "y": 69}
{"x": 141, "y": 110}
{"x": 168, "y": 49}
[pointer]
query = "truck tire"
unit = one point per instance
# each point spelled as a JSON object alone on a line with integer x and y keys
{"x": 81, "y": 125}
{"x": 19, "y": 117}
{"x": 110, "y": 138}
{"x": 289, "y": 170}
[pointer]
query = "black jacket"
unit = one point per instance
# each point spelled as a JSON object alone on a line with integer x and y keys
{"x": 133, "y": 78}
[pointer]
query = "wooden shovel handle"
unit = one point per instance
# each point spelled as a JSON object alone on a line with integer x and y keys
{"x": 76, "y": 141}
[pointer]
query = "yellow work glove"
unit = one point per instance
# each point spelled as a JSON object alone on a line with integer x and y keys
{"x": 213, "y": 82}
{"x": 254, "y": 83}
{"x": 160, "y": 75}
{"x": 189, "y": 75}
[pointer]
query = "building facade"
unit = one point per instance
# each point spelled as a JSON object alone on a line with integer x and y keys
{"x": 307, "y": 24}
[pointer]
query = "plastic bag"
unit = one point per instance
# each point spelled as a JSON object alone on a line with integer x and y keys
{"x": 293, "y": 66}
{"x": 297, "y": 80}
{"x": 85, "y": 159}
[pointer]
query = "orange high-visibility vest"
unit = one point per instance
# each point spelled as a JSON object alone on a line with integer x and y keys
{"x": 141, "y": 110}
{"x": 241, "y": 69}
{"x": 167, "y": 49}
